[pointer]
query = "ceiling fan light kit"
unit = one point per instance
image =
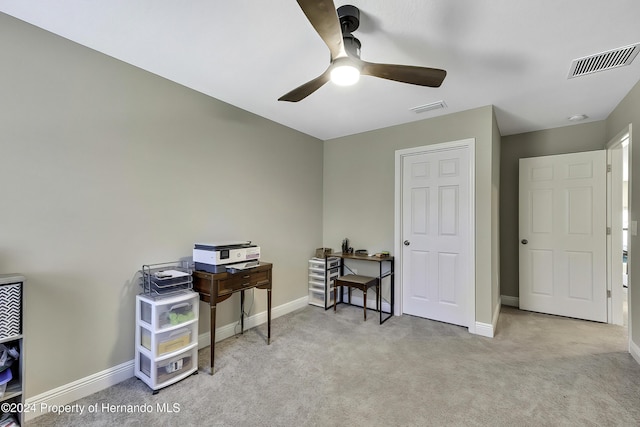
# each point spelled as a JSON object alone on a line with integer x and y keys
{"x": 345, "y": 75}
{"x": 335, "y": 27}
{"x": 345, "y": 72}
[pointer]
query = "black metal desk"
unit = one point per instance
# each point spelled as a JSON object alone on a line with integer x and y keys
{"x": 382, "y": 273}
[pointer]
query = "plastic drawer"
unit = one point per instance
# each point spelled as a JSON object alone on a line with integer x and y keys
{"x": 169, "y": 341}
{"x": 166, "y": 371}
{"x": 316, "y": 297}
{"x": 317, "y": 271}
{"x": 315, "y": 275}
{"x": 173, "y": 311}
{"x": 320, "y": 280}
{"x": 319, "y": 286}
{"x": 321, "y": 263}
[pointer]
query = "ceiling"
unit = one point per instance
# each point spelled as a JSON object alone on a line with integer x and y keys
{"x": 514, "y": 55}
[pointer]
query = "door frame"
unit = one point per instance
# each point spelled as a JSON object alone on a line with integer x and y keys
{"x": 614, "y": 206}
{"x": 400, "y": 155}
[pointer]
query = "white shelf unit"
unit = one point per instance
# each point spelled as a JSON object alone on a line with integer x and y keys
{"x": 11, "y": 335}
{"x": 166, "y": 338}
{"x": 322, "y": 274}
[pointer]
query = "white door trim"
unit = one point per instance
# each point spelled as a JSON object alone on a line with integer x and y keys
{"x": 616, "y": 291}
{"x": 399, "y": 157}
{"x": 614, "y": 222}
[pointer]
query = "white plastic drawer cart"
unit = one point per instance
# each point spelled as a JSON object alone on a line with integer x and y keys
{"x": 322, "y": 274}
{"x": 166, "y": 326}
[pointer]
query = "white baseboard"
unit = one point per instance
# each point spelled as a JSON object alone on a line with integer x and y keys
{"x": 230, "y": 330}
{"x": 486, "y": 329}
{"x": 510, "y": 301}
{"x": 64, "y": 395}
{"x": 634, "y": 350}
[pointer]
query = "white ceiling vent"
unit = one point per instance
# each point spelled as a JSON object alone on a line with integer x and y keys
{"x": 603, "y": 61}
{"x": 428, "y": 107}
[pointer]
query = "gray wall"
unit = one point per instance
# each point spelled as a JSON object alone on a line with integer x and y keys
{"x": 495, "y": 213}
{"x": 628, "y": 113}
{"x": 359, "y": 188}
{"x": 106, "y": 167}
{"x": 569, "y": 139}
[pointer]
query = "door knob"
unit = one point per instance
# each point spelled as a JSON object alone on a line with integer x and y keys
{"x": 524, "y": 241}
{"x": 407, "y": 243}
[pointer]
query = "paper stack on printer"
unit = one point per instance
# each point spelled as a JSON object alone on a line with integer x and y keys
{"x": 219, "y": 257}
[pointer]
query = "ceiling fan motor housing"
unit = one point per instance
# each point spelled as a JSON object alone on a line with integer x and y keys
{"x": 351, "y": 45}
{"x": 349, "y": 17}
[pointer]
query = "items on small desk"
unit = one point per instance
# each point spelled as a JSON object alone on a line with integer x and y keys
{"x": 240, "y": 266}
{"x": 345, "y": 247}
{"x": 323, "y": 252}
{"x": 217, "y": 257}
{"x": 383, "y": 254}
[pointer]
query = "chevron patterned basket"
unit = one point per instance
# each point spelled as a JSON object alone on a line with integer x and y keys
{"x": 10, "y": 298}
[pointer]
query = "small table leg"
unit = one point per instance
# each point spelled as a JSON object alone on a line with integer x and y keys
{"x": 268, "y": 316}
{"x": 242, "y": 312}
{"x": 212, "y": 344}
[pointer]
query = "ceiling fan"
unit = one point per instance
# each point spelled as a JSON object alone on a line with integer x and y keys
{"x": 335, "y": 28}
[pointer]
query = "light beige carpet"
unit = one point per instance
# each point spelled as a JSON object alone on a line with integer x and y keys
{"x": 326, "y": 369}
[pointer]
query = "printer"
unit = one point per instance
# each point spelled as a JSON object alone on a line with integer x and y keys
{"x": 217, "y": 257}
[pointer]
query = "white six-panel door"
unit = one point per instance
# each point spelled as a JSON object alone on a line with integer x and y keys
{"x": 562, "y": 233}
{"x": 436, "y": 236}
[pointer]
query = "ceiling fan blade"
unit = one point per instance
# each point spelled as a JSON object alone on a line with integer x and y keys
{"x": 307, "y": 89}
{"x": 421, "y": 76}
{"x": 323, "y": 17}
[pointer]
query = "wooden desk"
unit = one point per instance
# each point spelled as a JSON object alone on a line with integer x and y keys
{"x": 381, "y": 275}
{"x": 217, "y": 287}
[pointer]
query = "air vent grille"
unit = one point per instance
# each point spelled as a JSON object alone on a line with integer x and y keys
{"x": 428, "y": 107}
{"x": 603, "y": 61}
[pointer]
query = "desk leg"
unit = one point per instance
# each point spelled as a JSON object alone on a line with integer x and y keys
{"x": 242, "y": 312}
{"x": 378, "y": 296}
{"x": 212, "y": 334}
{"x": 268, "y": 316}
{"x": 364, "y": 299}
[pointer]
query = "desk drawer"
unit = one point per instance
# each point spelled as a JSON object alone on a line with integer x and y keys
{"x": 240, "y": 281}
